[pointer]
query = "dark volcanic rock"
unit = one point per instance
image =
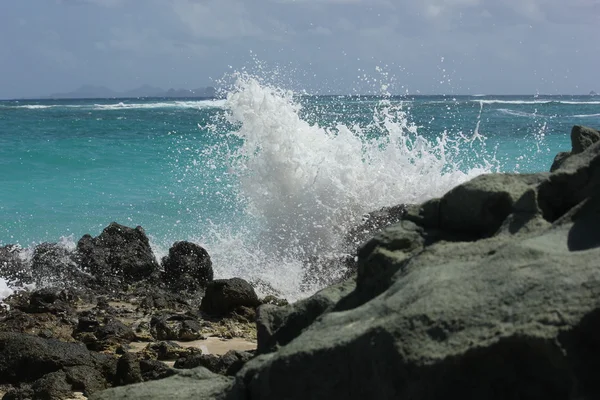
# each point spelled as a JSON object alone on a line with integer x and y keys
{"x": 153, "y": 370}
{"x": 25, "y": 358}
{"x": 120, "y": 253}
{"x": 227, "y": 364}
{"x": 54, "y": 265}
{"x": 128, "y": 370}
{"x": 12, "y": 267}
{"x": 175, "y": 327}
{"x": 208, "y": 361}
{"x": 162, "y": 300}
{"x": 223, "y": 296}
{"x": 51, "y": 299}
{"x": 167, "y": 351}
{"x": 187, "y": 267}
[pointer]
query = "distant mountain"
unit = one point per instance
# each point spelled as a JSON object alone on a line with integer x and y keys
{"x": 86, "y": 91}
{"x": 99, "y": 92}
{"x": 143, "y": 91}
{"x": 592, "y": 93}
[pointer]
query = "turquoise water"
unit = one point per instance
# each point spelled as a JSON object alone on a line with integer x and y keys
{"x": 192, "y": 170}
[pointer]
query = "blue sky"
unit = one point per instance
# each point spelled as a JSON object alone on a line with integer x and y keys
{"x": 326, "y": 46}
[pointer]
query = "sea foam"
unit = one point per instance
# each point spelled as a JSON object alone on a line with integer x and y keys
{"x": 304, "y": 186}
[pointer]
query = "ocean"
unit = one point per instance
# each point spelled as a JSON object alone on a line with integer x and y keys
{"x": 266, "y": 178}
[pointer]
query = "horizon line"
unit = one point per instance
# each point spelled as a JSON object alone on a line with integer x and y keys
{"x": 534, "y": 95}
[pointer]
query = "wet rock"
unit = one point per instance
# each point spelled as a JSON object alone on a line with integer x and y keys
{"x": 119, "y": 254}
{"x": 52, "y": 300}
{"x": 223, "y": 296}
{"x": 12, "y": 267}
{"x": 46, "y": 324}
{"x": 277, "y": 326}
{"x": 270, "y": 299}
{"x": 54, "y": 265}
{"x": 372, "y": 223}
{"x": 582, "y": 137}
{"x": 319, "y": 272}
{"x": 187, "y": 267}
{"x": 175, "y": 327}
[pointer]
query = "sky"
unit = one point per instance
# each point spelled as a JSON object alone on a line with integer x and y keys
{"x": 321, "y": 46}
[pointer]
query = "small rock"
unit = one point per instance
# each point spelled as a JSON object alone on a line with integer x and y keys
{"x": 225, "y": 295}
{"x": 153, "y": 370}
{"x": 175, "y": 327}
{"x": 187, "y": 267}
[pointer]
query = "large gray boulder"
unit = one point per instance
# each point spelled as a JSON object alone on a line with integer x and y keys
{"x": 192, "y": 384}
{"x": 490, "y": 292}
{"x": 582, "y": 137}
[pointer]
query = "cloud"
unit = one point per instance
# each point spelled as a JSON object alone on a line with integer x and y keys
{"x": 220, "y": 19}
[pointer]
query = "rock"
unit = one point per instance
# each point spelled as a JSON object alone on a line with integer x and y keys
{"x": 119, "y": 253}
{"x": 175, "y": 327}
{"x": 114, "y": 328}
{"x": 166, "y": 351}
{"x": 490, "y": 292}
{"x": 276, "y": 301}
{"x": 12, "y": 267}
{"x": 223, "y": 296}
{"x": 54, "y": 265}
{"x": 187, "y": 267}
{"x": 582, "y": 137}
{"x": 128, "y": 370}
{"x": 505, "y": 309}
{"x": 319, "y": 272}
{"x": 88, "y": 380}
{"x": 50, "y": 299}
{"x": 153, "y": 370}
{"x": 198, "y": 383}
{"x": 208, "y": 361}
{"x": 277, "y": 326}
{"x": 372, "y": 223}
{"x": 25, "y": 358}
{"x": 52, "y": 386}
{"x": 161, "y": 300}
{"x": 227, "y": 364}
{"x": 478, "y": 208}
{"x": 233, "y": 361}
{"x": 45, "y": 325}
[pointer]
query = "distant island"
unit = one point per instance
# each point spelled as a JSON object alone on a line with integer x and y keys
{"x": 101, "y": 92}
{"x": 592, "y": 93}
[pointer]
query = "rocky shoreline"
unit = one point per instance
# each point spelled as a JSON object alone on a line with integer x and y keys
{"x": 490, "y": 292}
